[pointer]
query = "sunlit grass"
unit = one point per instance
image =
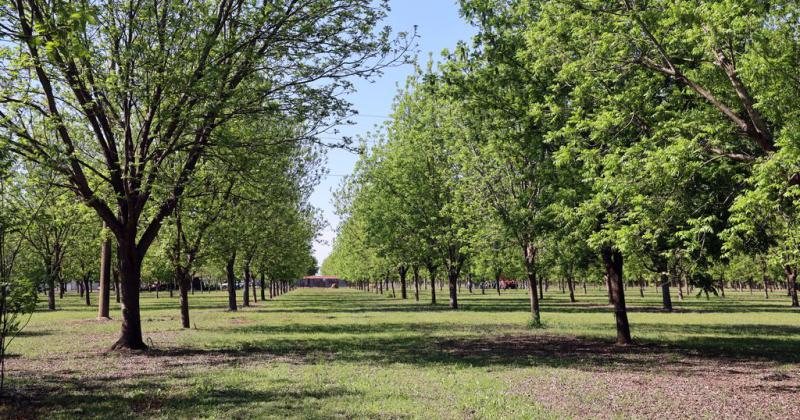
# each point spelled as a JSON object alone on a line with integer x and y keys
{"x": 351, "y": 354}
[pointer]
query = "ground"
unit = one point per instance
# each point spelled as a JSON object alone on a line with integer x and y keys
{"x": 328, "y": 353}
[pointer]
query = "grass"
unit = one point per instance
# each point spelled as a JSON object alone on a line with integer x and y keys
{"x": 320, "y": 353}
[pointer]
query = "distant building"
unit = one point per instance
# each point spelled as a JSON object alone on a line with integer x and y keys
{"x": 321, "y": 281}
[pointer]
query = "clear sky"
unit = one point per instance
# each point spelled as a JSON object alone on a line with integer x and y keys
{"x": 439, "y": 27}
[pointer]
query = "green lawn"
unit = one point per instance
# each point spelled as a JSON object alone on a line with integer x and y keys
{"x": 321, "y": 353}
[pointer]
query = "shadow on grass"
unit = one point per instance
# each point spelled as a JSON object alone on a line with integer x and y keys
{"x": 147, "y": 396}
{"x": 440, "y": 344}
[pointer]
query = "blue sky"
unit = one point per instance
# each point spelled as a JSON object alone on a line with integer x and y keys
{"x": 439, "y": 26}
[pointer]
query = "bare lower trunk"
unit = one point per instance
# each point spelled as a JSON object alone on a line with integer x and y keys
{"x": 246, "y": 288}
{"x": 666, "y": 299}
{"x": 255, "y": 295}
{"x": 612, "y": 260}
{"x": 263, "y": 285}
{"x": 231, "y": 282}
{"x": 452, "y": 278}
{"x": 416, "y": 283}
{"x": 87, "y": 285}
{"x": 791, "y": 283}
{"x": 432, "y": 274}
{"x": 105, "y": 280}
{"x": 530, "y": 266}
{"x": 51, "y": 292}
{"x": 402, "y": 270}
{"x": 130, "y": 272}
{"x": 571, "y": 286}
{"x": 183, "y": 286}
{"x": 497, "y": 274}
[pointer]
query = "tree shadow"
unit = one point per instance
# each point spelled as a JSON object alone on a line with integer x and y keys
{"x": 108, "y": 397}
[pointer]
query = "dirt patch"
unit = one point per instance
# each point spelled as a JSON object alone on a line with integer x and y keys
{"x": 587, "y": 378}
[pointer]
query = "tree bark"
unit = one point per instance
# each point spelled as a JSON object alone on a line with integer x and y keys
{"x": 415, "y": 269}
{"x": 612, "y": 260}
{"x": 255, "y": 295}
{"x": 246, "y": 288}
{"x": 51, "y": 292}
{"x": 117, "y": 292}
{"x": 263, "y": 285}
{"x": 87, "y": 285}
{"x": 530, "y": 267}
{"x": 103, "y": 300}
{"x": 403, "y": 270}
{"x": 183, "y": 286}
{"x": 791, "y": 283}
{"x": 666, "y": 298}
{"x": 432, "y": 274}
{"x": 231, "y": 282}
{"x": 571, "y": 286}
{"x": 130, "y": 272}
{"x": 452, "y": 277}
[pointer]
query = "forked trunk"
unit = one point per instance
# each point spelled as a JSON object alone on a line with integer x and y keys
{"x": 612, "y": 260}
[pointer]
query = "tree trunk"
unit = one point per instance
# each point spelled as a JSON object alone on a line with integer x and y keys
{"x": 541, "y": 288}
{"x": 402, "y": 270}
{"x": 263, "y": 285}
{"x": 530, "y": 266}
{"x": 255, "y": 295}
{"x": 791, "y": 283}
{"x": 666, "y": 299}
{"x": 452, "y": 277}
{"x": 103, "y": 300}
{"x": 415, "y": 269}
{"x": 130, "y": 273}
{"x": 246, "y": 288}
{"x": 117, "y": 292}
{"x": 87, "y": 286}
{"x": 183, "y": 286}
{"x": 432, "y": 274}
{"x": 612, "y": 260}
{"x": 231, "y": 282}
{"x": 571, "y": 286}
{"x": 51, "y": 290}
{"x": 497, "y": 274}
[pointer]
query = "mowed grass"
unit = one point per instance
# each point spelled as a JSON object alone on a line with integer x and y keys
{"x": 325, "y": 353}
